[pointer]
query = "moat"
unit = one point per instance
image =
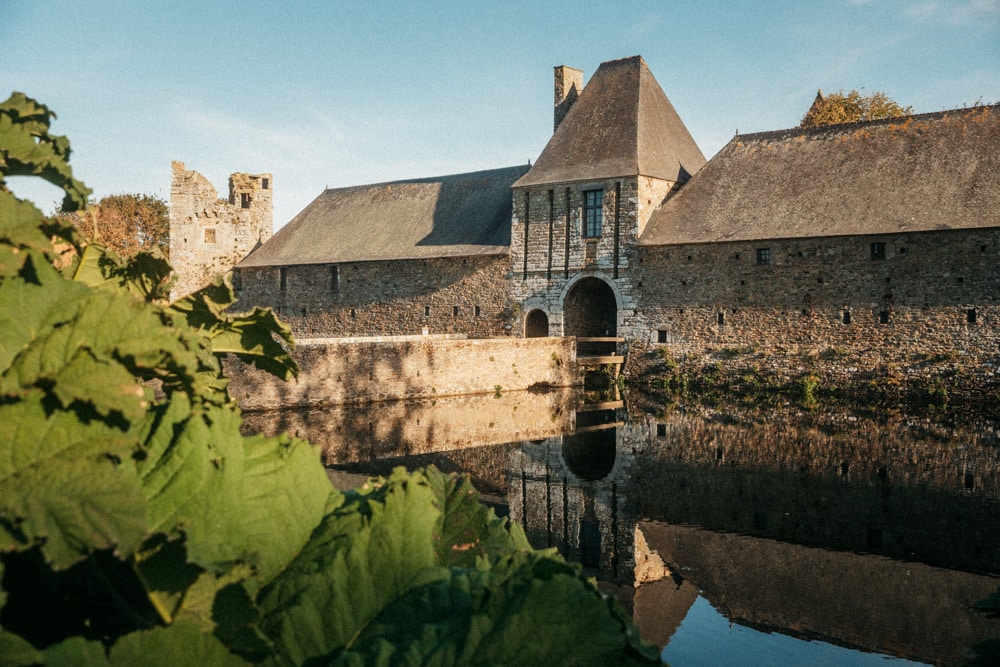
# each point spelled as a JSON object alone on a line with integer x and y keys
{"x": 734, "y": 535}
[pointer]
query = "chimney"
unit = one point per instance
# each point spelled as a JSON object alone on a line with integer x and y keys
{"x": 569, "y": 85}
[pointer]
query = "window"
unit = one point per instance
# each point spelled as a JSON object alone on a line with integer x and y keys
{"x": 334, "y": 278}
{"x": 593, "y": 212}
{"x": 264, "y": 183}
{"x": 661, "y": 335}
{"x": 454, "y": 311}
{"x": 878, "y": 250}
{"x": 210, "y": 235}
{"x": 721, "y": 317}
{"x": 970, "y": 316}
{"x": 244, "y": 200}
{"x": 283, "y": 279}
{"x": 763, "y": 256}
{"x": 427, "y": 311}
{"x": 883, "y": 317}
{"x": 847, "y": 317}
{"x": 477, "y": 311}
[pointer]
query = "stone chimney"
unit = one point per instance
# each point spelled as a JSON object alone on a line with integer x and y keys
{"x": 568, "y": 86}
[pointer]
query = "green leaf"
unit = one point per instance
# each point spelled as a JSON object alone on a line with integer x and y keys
{"x": 469, "y": 531}
{"x": 231, "y": 495}
{"x": 27, "y": 148}
{"x": 15, "y": 651}
{"x": 363, "y": 556}
{"x": 256, "y": 338}
{"x": 60, "y": 485}
{"x": 183, "y": 643}
{"x": 492, "y": 617}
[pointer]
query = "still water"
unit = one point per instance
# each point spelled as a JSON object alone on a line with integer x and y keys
{"x": 735, "y": 536}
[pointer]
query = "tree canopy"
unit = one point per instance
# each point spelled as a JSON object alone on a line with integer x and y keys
{"x": 127, "y": 223}
{"x": 841, "y": 107}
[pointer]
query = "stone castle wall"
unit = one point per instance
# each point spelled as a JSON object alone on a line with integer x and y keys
{"x": 360, "y": 370}
{"x": 933, "y": 292}
{"x": 401, "y": 297}
{"x": 209, "y": 235}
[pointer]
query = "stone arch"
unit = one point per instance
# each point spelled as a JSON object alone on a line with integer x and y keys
{"x": 590, "y": 308}
{"x": 536, "y": 324}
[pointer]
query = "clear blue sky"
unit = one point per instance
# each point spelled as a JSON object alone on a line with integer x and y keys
{"x": 335, "y": 93}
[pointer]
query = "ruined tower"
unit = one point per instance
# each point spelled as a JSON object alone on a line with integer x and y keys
{"x": 209, "y": 235}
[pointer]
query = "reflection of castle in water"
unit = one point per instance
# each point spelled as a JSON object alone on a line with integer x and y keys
{"x": 867, "y": 532}
{"x": 569, "y": 492}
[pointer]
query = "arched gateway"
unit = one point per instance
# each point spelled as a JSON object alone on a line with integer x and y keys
{"x": 590, "y": 309}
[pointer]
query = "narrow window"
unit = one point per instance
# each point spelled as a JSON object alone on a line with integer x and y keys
{"x": 883, "y": 317}
{"x": 283, "y": 279}
{"x": 245, "y": 200}
{"x": 721, "y": 317}
{"x": 427, "y": 311}
{"x": 847, "y": 317}
{"x": 454, "y": 311}
{"x": 661, "y": 336}
{"x": 593, "y": 212}
{"x": 334, "y": 278}
{"x": 970, "y": 316}
{"x": 477, "y": 311}
{"x": 264, "y": 183}
{"x": 210, "y": 235}
{"x": 661, "y": 430}
{"x": 878, "y": 250}
{"x": 354, "y": 314}
{"x": 763, "y": 256}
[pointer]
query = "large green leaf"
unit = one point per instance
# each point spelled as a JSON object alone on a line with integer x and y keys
{"x": 364, "y": 555}
{"x": 235, "y": 498}
{"x": 492, "y": 617}
{"x": 257, "y": 337}
{"x": 60, "y": 485}
{"x": 370, "y": 589}
{"x": 467, "y": 530}
{"x": 15, "y": 652}
{"x": 178, "y": 644}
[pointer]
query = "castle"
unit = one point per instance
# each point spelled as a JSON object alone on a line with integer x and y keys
{"x": 874, "y": 235}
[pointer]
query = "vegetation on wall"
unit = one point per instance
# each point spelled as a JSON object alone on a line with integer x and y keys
{"x": 138, "y": 526}
{"x": 841, "y": 107}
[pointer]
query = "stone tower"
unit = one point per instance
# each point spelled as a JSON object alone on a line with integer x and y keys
{"x": 209, "y": 235}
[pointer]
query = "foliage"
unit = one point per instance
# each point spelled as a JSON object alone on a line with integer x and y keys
{"x": 137, "y": 524}
{"x": 841, "y": 107}
{"x": 126, "y": 223}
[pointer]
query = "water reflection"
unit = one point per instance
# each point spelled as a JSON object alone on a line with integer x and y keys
{"x": 873, "y": 533}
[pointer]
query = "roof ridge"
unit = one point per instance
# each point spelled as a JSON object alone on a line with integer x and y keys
{"x": 822, "y": 129}
{"x": 430, "y": 179}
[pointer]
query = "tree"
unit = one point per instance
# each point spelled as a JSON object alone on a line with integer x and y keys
{"x": 127, "y": 223}
{"x": 841, "y": 107}
{"x": 142, "y": 526}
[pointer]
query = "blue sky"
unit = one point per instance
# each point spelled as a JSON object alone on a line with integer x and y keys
{"x": 335, "y": 93}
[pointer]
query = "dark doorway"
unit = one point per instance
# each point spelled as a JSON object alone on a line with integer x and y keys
{"x": 536, "y": 324}
{"x": 591, "y": 309}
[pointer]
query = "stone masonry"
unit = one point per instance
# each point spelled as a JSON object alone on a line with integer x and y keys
{"x": 209, "y": 235}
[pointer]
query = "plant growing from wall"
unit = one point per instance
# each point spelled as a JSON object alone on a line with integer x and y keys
{"x": 138, "y": 524}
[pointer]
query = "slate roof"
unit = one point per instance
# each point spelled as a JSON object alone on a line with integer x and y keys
{"x": 448, "y": 216}
{"x": 621, "y": 125}
{"x": 916, "y": 173}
